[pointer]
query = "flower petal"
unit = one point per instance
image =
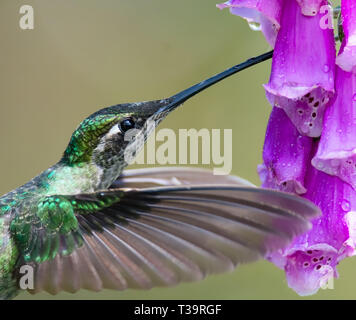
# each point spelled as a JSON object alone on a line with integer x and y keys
{"x": 347, "y": 57}
{"x": 310, "y": 262}
{"x": 302, "y": 77}
{"x": 285, "y": 155}
{"x": 304, "y": 272}
{"x": 310, "y": 7}
{"x": 336, "y": 153}
{"x": 265, "y": 13}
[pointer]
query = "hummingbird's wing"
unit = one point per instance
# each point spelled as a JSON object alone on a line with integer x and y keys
{"x": 172, "y": 176}
{"x": 160, "y": 236}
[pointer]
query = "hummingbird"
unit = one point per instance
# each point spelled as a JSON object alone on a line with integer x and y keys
{"x": 86, "y": 223}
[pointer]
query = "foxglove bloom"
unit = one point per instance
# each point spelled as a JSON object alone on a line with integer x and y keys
{"x": 310, "y": 262}
{"x": 285, "y": 155}
{"x": 263, "y": 13}
{"x": 303, "y": 46}
{"x": 302, "y": 77}
{"x": 336, "y": 154}
{"x": 301, "y": 89}
{"x": 347, "y": 57}
{"x": 267, "y": 13}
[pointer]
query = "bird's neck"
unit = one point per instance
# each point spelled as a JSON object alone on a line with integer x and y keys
{"x": 59, "y": 179}
{"x": 81, "y": 178}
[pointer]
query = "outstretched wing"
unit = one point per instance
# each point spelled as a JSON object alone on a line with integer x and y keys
{"x": 160, "y": 236}
{"x": 174, "y": 176}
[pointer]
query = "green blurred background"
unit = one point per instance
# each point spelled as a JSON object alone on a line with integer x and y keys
{"x": 87, "y": 54}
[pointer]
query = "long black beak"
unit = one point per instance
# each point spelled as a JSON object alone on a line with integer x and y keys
{"x": 183, "y": 96}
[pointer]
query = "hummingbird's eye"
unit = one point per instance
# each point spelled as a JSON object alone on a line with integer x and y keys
{"x": 127, "y": 124}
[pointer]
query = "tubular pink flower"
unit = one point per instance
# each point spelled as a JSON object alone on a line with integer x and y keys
{"x": 285, "y": 155}
{"x": 336, "y": 153}
{"x": 301, "y": 90}
{"x": 347, "y": 57}
{"x": 310, "y": 262}
{"x": 302, "y": 77}
{"x": 265, "y": 13}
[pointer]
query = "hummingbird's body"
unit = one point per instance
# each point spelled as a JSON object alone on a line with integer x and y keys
{"x": 23, "y": 203}
{"x": 86, "y": 223}
{"x": 21, "y": 206}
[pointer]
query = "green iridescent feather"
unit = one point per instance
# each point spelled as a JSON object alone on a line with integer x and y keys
{"x": 55, "y": 221}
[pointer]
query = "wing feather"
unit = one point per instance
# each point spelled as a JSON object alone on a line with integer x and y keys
{"x": 174, "y": 176}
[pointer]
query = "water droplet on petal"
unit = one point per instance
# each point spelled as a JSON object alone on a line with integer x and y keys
{"x": 354, "y": 97}
{"x": 345, "y": 205}
{"x": 326, "y": 68}
{"x": 320, "y": 165}
{"x": 254, "y": 26}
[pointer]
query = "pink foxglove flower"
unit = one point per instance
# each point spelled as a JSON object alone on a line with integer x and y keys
{"x": 303, "y": 46}
{"x": 263, "y": 13}
{"x": 336, "y": 154}
{"x": 301, "y": 89}
{"x": 302, "y": 77}
{"x": 310, "y": 262}
{"x": 347, "y": 57}
{"x": 286, "y": 154}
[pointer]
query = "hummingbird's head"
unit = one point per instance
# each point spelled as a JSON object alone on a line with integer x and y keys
{"x": 111, "y": 135}
{"x": 108, "y": 135}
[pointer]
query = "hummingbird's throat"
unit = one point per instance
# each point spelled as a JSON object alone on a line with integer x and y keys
{"x": 111, "y": 160}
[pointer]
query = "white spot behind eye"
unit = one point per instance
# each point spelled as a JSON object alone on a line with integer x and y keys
{"x": 113, "y": 131}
